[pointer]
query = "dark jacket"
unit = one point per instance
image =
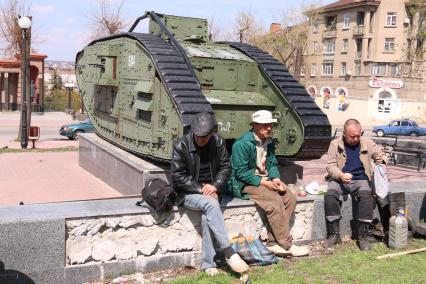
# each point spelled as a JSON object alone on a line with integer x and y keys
{"x": 244, "y": 164}
{"x": 186, "y": 164}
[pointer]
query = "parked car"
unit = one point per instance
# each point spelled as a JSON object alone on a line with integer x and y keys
{"x": 72, "y": 131}
{"x": 400, "y": 127}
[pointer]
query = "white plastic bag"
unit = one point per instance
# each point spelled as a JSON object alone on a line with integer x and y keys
{"x": 381, "y": 183}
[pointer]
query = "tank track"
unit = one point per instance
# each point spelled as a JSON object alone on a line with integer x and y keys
{"x": 181, "y": 84}
{"x": 316, "y": 124}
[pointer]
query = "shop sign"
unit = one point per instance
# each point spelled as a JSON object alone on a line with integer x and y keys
{"x": 381, "y": 83}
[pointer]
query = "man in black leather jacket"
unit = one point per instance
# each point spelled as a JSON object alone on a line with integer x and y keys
{"x": 200, "y": 169}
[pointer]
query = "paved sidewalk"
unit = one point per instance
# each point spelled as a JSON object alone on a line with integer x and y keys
{"x": 33, "y": 177}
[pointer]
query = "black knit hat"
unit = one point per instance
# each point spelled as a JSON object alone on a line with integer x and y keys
{"x": 203, "y": 124}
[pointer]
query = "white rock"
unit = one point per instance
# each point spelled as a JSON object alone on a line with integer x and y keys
{"x": 80, "y": 230}
{"x": 79, "y": 251}
{"x": 125, "y": 249}
{"x": 172, "y": 218}
{"x": 190, "y": 223}
{"x": 146, "y": 220}
{"x": 174, "y": 241}
{"x": 94, "y": 228}
{"x": 298, "y": 229}
{"x": 129, "y": 221}
{"x": 103, "y": 250}
{"x": 112, "y": 222}
{"x": 147, "y": 246}
{"x": 74, "y": 223}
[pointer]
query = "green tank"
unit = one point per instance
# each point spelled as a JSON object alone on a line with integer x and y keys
{"x": 141, "y": 90}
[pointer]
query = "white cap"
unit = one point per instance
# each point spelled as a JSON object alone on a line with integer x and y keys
{"x": 263, "y": 117}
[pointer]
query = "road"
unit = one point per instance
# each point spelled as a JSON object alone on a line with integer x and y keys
{"x": 47, "y": 133}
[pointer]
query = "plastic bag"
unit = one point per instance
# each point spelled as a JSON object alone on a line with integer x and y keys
{"x": 381, "y": 183}
{"x": 252, "y": 250}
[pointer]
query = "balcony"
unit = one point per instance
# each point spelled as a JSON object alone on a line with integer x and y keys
{"x": 358, "y": 55}
{"x": 358, "y": 31}
{"x": 329, "y": 33}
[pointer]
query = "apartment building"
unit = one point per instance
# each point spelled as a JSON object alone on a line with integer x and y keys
{"x": 358, "y": 64}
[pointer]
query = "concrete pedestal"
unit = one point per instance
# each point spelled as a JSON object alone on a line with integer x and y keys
{"x": 121, "y": 170}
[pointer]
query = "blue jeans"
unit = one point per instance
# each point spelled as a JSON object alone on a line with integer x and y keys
{"x": 211, "y": 222}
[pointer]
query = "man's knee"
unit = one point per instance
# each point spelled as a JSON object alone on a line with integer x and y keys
{"x": 211, "y": 203}
{"x": 331, "y": 195}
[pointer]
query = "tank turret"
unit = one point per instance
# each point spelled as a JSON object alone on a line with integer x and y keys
{"x": 141, "y": 90}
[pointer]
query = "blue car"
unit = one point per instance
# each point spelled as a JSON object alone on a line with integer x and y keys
{"x": 72, "y": 131}
{"x": 400, "y": 127}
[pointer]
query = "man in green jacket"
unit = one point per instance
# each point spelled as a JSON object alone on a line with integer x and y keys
{"x": 255, "y": 176}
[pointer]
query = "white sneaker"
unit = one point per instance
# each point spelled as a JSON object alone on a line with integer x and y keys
{"x": 212, "y": 271}
{"x": 237, "y": 264}
{"x": 278, "y": 250}
{"x": 299, "y": 251}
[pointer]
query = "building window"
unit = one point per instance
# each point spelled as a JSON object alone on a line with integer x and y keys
{"x": 316, "y": 47}
{"x": 343, "y": 69}
{"x": 357, "y": 69}
{"x": 346, "y": 20}
{"x": 313, "y": 69}
{"x": 391, "y": 19}
{"x": 330, "y": 46}
{"x": 395, "y": 70}
{"x": 302, "y": 71}
{"x": 389, "y": 44}
{"x": 378, "y": 69}
{"x": 327, "y": 68}
{"x": 345, "y": 45}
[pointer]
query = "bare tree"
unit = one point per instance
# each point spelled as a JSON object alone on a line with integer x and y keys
{"x": 213, "y": 29}
{"x": 107, "y": 19}
{"x": 246, "y": 29}
{"x": 10, "y": 33}
{"x": 415, "y": 66}
{"x": 288, "y": 43}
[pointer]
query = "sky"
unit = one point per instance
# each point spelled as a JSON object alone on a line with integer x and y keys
{"x": 62, "y": 28}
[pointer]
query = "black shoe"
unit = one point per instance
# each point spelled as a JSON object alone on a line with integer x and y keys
{"x": 362, "y": 240}
{"x": 333, "y": 234}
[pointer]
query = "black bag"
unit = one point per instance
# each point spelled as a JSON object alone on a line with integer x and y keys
{"x": 159, "y": 195}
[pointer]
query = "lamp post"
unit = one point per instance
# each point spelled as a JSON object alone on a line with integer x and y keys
{"x": 24, "y": 23}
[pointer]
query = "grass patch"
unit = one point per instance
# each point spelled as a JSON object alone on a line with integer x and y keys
{"x": 346, "y": 265}
{"x": 39, "y": 150}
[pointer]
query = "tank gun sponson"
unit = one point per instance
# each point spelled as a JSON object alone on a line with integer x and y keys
{"x": 142, "y": 90}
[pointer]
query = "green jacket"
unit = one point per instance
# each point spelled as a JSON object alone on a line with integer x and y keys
{"x": 244, "y": 165}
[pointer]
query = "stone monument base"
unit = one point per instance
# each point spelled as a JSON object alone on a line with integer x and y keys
{"x": 121, "y": 170}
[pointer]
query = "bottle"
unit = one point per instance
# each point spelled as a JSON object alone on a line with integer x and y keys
{"x": 398, "y": 229}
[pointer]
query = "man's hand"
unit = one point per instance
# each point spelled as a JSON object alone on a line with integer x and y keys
{"x": 281, "y": 185}
{"x": 345, "y": 177}
{"x": 377, "y": 157}
{"x": 209, "y": 190}
{"x": 269, "y": 185}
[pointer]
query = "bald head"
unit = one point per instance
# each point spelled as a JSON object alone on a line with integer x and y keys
{"x": 352, "y": 132}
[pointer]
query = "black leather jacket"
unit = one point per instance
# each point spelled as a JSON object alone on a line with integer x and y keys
{"x": 185, "y": 165}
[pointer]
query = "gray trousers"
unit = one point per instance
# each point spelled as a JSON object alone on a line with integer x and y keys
{"x": 360, "y": 191}
{"x": 212, "y": 223}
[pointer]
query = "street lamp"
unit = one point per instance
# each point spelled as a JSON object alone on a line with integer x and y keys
{"x": 24, "y": 23}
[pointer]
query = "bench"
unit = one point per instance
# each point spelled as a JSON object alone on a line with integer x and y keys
{"x": 393, "y": 150}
